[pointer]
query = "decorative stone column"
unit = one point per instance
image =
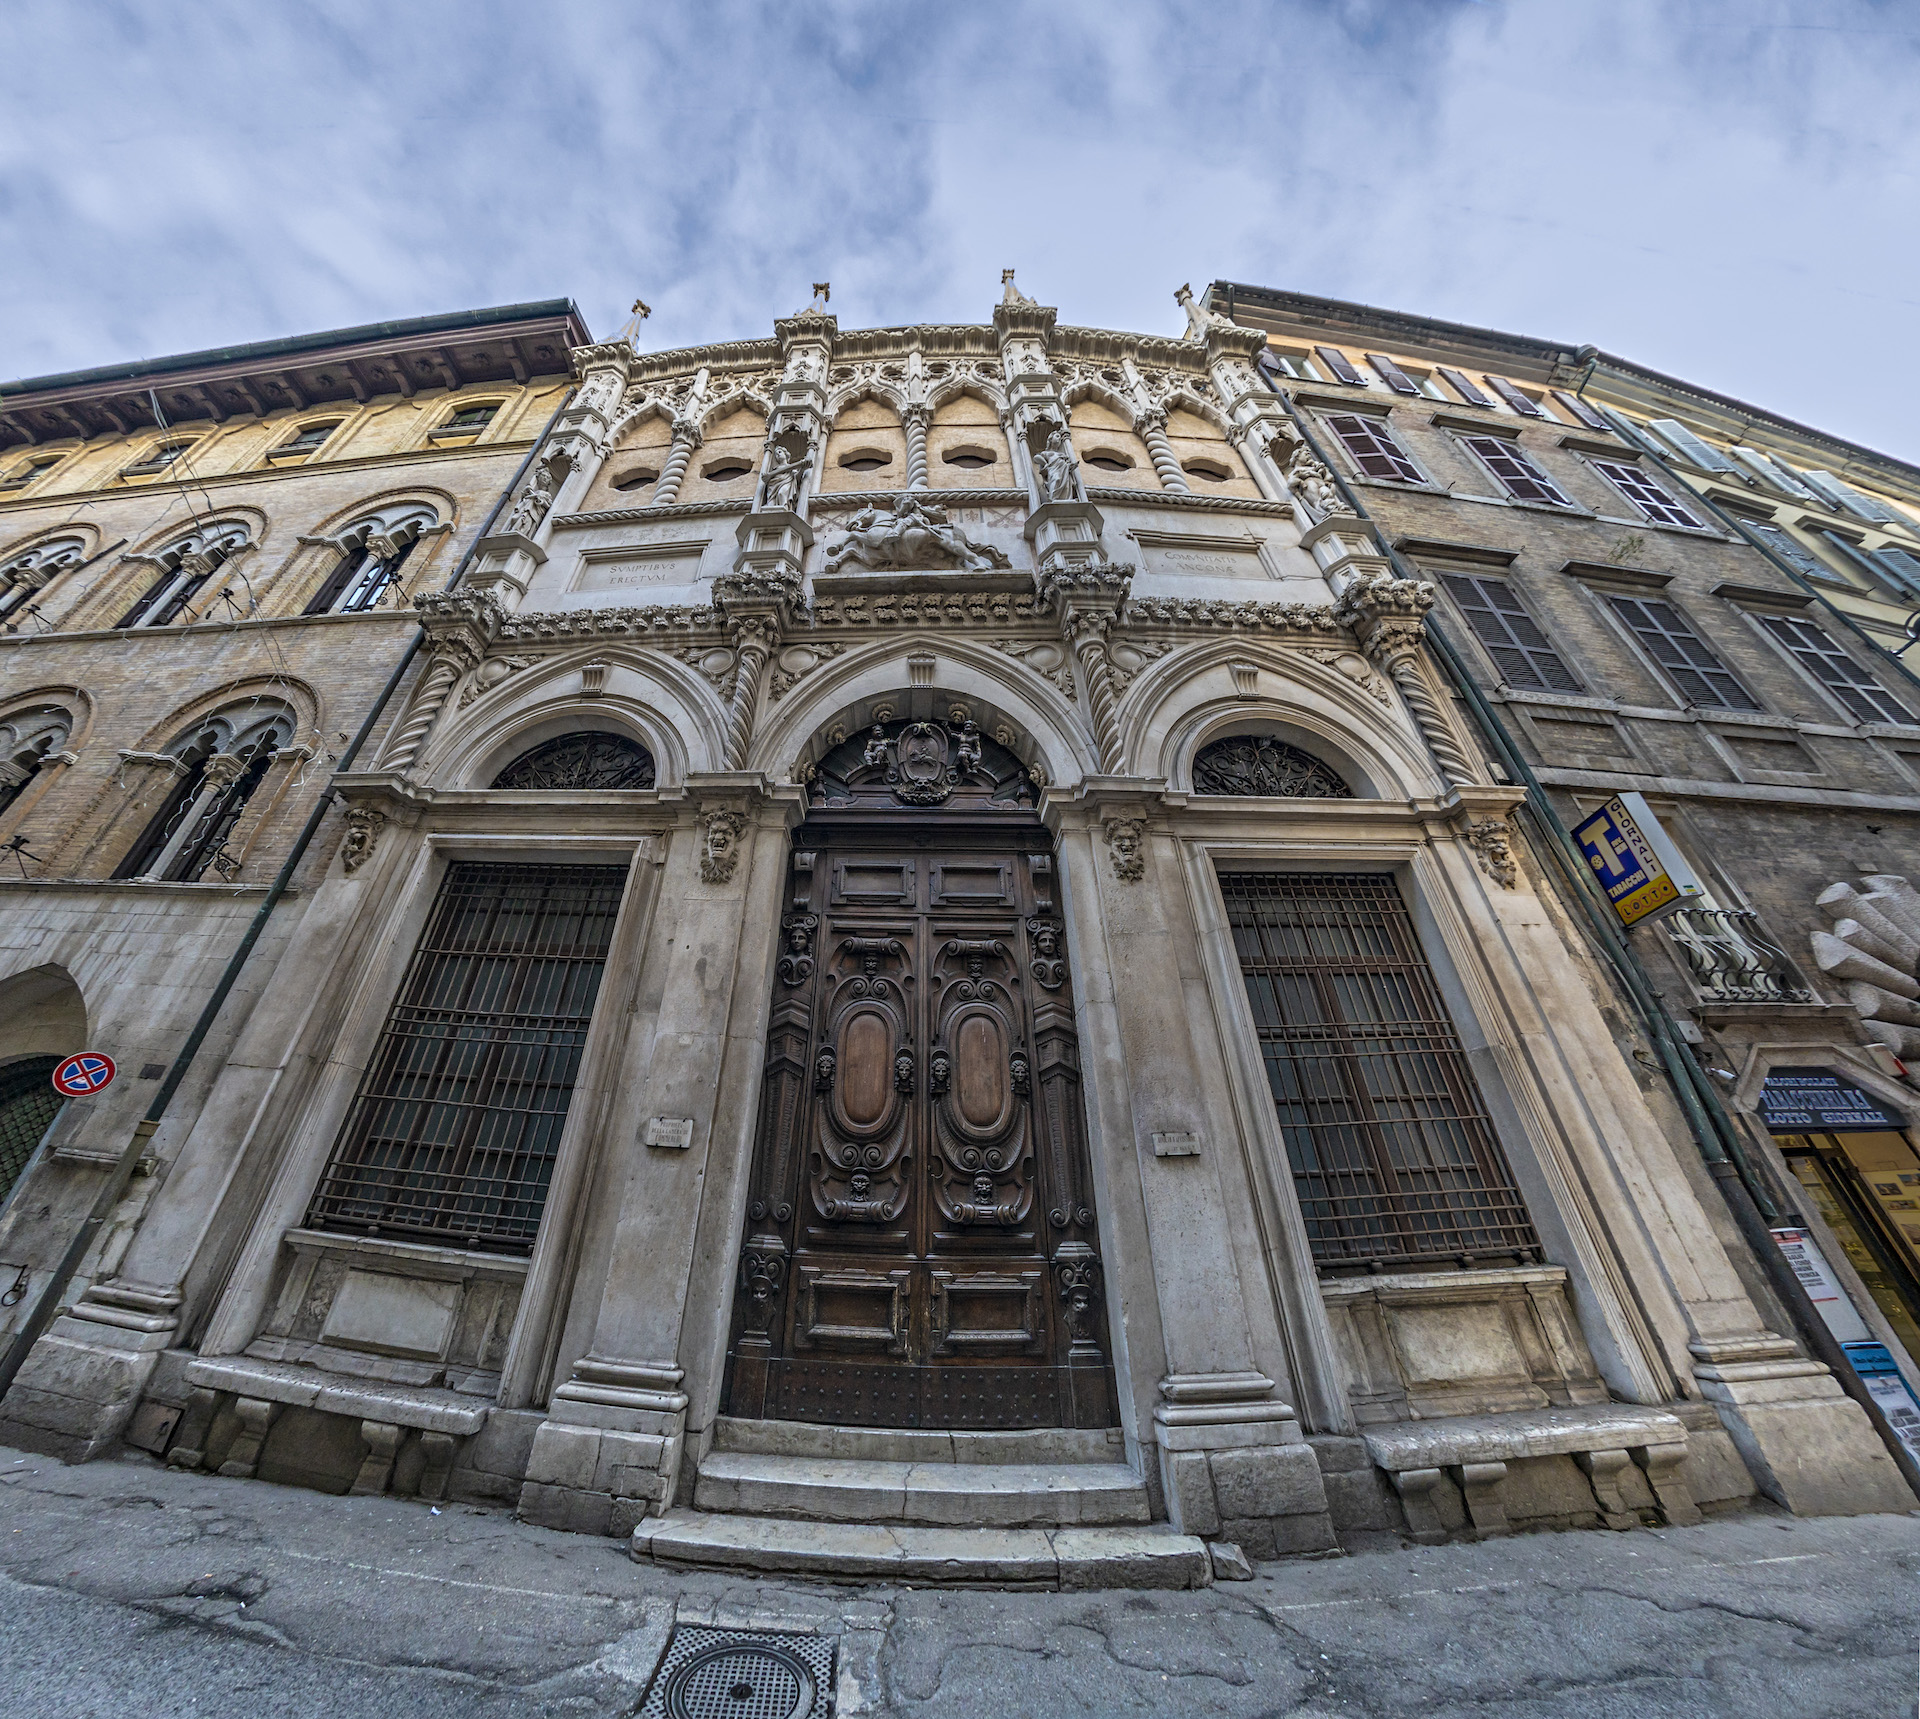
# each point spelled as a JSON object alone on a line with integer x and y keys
{"x": 222, "y": 770}
{"x": 459, "y": 625}
{"x": 1087, "y": 600}
{"x": 1388, "y": 617}
{"x": 686, "y": 439}
{"x": 915, "y": 419}
{"x": 1151, "y": 422}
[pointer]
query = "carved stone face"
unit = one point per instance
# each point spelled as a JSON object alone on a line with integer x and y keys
{"x": 1126, "y": 845}
{"x": 983, "y": 1190}
{"x": 1046, "y": 940}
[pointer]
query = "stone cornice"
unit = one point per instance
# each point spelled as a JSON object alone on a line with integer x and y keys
{"x": 128, "y": 635}
{"x": 1194, "y": 503}
{"x": 640, "y": 515}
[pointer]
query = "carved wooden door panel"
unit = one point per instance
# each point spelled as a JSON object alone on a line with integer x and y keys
{"x": 920, "y": 1239}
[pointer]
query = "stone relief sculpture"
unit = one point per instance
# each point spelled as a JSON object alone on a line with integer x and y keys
{"x": 1312, "y": 483}
{"x": 532, "y": 505}
{"x": 915, "y": 533}
{"x": 720, "y": 847}
{"x": 1874, "y": 953}
{"x": 1124, "y": 838}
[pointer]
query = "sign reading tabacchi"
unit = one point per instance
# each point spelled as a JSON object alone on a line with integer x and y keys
{"x": 1635, "y": 862}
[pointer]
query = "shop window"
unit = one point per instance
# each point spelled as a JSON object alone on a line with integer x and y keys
{"x": 455, "y": 1128}
{"x": 1394, "y": 1157}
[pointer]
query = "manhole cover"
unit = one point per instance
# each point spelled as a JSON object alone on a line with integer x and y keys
{"x": 738, "y": 1674}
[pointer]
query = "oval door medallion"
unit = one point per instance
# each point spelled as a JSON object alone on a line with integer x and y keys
{"x": 866, "y": 1068}
{"x": 980, "y": 1072}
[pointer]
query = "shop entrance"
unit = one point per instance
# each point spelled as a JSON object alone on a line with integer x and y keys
{"x": 1867, "y": 1188}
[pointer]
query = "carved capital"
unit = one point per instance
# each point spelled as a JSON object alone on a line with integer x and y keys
{"x": 460, "y": 624}
{"x": 1387, "y": 615}
{"x": 224, "y": 769}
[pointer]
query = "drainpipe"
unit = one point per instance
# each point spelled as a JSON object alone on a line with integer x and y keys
{"x": 115, "y": 1185}
{"x": 1713, "y": 1130}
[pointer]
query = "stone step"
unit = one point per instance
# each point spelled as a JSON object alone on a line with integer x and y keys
{"x": 946, "y": 1494}
{"x": 914, "y": 1444}
{"x": 1154, "y": 1556}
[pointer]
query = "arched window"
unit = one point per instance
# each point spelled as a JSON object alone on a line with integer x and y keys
{"x": 157, "y": 459}
{"x": 28, "y": 1105}
{"x": 373, "y": 552}
{"x": 26, "y": 739}
{"x": 1258, "y": 764}
{"x": 185, "y": 566}
{"x": 223, "y": 762}
{"x": 575, "y": 761}
{"x": 304, "y": 442}
{"x": 29, "y": 573}
{"x": 467, "y": 420}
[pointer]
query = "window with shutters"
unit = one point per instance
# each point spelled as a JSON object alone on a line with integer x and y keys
{"x": 1339, "y": 366}
{"x": 1515, "y": 470}
{"x": 1394, "y": 1158}
{"x": 1291, "y": 361}
{"x": 1792, "y": 551}
{"x": 1522, "y": 654}
{"x": 1525, "y": 404}
{"x": 1465, "y": 389}
{"x": 1701, "y": 455}
{"x": 1371, "y": 447}
{"x": 1655, "y": 505}
{"x": 1816, "y": 652}
{"x": 453, "y": 1134}
{"x": 1579, "y": 411}
{"x": 1890, "y": 567}
{"x": 1682, "y": 654}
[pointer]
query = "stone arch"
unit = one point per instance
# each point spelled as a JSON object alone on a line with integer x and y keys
{"x": 1112, "y": 454}
{"x": 229, "y": 708}
{"x": 30, "y": 568}
{"x": 42, "y": 1012}
{"x": 1000, "y": 690}
{"x": 1193, "y": 696}
{"x": 74, "y": 702}
{"x": 866, "y": 428}
{"x": 1210, "y": 461}
{"x": 667, "y": 706}
{"x": 963, "y": 423}
{"x": 160, "y": 568}
{"x": 391, "y": 529}
{"x": 726, "y": 465}
{"x": 640, "y": 439}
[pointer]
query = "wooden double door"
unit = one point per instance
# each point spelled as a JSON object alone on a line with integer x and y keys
{"x": 921, "y": 1247}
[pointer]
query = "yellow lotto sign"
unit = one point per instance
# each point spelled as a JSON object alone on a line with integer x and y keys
{"x": 1634, "y": 862}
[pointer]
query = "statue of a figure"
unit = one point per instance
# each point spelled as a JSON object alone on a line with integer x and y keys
{"x": 785, "y": 468}
{"x": 1312, "y": 482}
{"x": 1055, "y": 466}
{"x": 532, "y": 506}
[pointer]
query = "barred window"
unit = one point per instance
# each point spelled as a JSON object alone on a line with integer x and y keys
{"x": 1521, "y": 652}
{"x": 1518, "y": 475}
{"x": 1653, "y": 502}
{"x": 1394, "y": 1158}
{"x": 1371, "y": 447}
{"x": 1257, "y": 764}
{"x": 28, "y": 1105}
{"x": 454, "y": 1131}
{"x": 580, "y": 761}
{"x": 1835, "y": 670}
{"x": 1700, "y": 675}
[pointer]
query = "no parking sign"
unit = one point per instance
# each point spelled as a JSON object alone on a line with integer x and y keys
{"x": 84, "y": 1074}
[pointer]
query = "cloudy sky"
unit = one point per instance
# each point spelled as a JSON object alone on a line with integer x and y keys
{"x": 1726, "y": 191}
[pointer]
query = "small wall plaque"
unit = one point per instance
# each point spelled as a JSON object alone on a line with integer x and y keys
{"x": 1176, "y": 1145}
{"x": 674, "y": 1132}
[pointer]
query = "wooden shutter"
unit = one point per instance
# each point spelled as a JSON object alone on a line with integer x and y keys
{"x": 1653, "y": 502}
{"x": 1521, "y": 653}
{"x": 1526, "y": 406}
{"x": 1581, "y": 412}
{"x": 1465, "y": 389}
{"x": 1336, "y": 361}
{"x": 1848, "y": 500}
{"x": 1690, "y": 447}
{"x": 1862, "y": 697}
{"x": 1518, "y": 475}
{"x": 1391, "y": 374}
{"x": 1699, "y": 675}
{"x": 1903, "y": 569}
{"x": 1372, "y": 448}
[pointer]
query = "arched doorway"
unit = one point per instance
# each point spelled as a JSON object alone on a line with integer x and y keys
{"x": 921, "y": 1247}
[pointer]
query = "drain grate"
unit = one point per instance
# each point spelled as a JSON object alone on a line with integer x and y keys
{"x": 742, "y": 1674}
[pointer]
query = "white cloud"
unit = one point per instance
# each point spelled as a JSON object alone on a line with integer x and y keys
{"x": 1723, "y": 191}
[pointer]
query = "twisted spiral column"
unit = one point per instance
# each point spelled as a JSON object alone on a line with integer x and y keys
{"x": 1404, "y": 668}
{"x": 1089, "y": 634}
{"x": 915, "y": 420}
{"x": 426, "y": 707}
{"x": 754, "y": 642}
{"x": 1153, "y": 428}
{"x": 685, "y": 439}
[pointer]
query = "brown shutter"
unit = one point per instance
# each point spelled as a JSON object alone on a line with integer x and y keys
{"x": 1336, "y": 361}
{"x": 1582, "y": 412}
{"x": 1391, "y": 374}
{"x": 1465, "y": 389}
{"x": 1526, "y": 407}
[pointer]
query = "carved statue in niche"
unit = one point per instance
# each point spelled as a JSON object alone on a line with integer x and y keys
{"x": 787, "y": 464}
{"x": 1055, "y": 466}
{"x": 915, "y": 533}
{"x": 532, "y": 506}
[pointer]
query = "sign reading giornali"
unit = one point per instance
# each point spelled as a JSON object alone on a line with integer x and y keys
{"x": 1636, "y": 864}
{"x": 1794, "y": 1100}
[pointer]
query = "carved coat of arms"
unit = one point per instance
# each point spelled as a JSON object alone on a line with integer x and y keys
{"x": 921, "y": 775}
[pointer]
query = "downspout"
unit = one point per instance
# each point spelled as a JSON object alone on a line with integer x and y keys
{"x": 1714, "y": 1132}
{"x": 115, "y": 1186}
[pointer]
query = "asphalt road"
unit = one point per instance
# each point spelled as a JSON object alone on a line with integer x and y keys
{"x": 130, "y": 1590}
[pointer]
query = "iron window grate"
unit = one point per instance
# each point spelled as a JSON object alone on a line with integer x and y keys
{"x": 741, "y": 1674}
{"x": 453, "y": 1133}
{"x": 1394, "y": 1158}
